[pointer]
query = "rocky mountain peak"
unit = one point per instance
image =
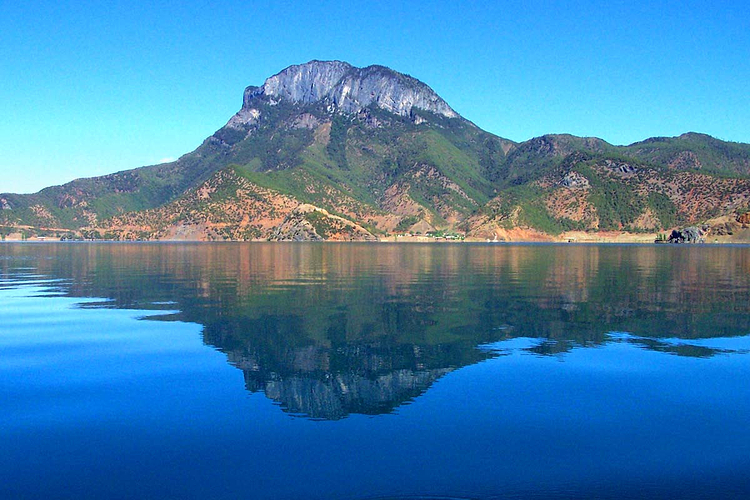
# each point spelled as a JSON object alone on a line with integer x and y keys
{"x": 349, "y": 89}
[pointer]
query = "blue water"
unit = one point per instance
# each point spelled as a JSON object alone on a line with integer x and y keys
{"x": 329, "y": 371}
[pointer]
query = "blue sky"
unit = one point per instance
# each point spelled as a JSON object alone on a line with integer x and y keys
{"x": 88, "y": 88}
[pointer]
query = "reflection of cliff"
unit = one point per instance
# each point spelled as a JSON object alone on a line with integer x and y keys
{"x": 332, "y": 381}
{"x": 337, "y": 395}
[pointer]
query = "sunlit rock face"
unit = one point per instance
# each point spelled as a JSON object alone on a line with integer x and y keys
{"x": 349, "y": 89}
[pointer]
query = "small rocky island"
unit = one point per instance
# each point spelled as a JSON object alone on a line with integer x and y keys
{"x": 687, "y": 235}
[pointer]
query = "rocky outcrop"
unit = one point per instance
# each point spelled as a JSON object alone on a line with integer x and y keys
{"x": 687, "y": 235}
{"x": 4, "y": 205}
{"x": 621, "y": 167}
{"x": 574, "y": 180}
{"x": 345, "y": 88}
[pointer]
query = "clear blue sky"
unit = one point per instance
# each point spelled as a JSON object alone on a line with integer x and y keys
{"x": 88, "y": 88}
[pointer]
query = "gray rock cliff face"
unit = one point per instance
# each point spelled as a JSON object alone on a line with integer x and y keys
{"x": 348, "y": 89}
{"x": 687, "y": 235}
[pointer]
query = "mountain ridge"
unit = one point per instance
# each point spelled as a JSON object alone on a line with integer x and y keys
{"x": 383, "y": 151}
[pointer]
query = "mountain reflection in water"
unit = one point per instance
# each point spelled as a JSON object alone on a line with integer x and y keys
{"x": 327, "y": 330}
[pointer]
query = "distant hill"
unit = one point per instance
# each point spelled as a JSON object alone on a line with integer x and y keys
{"x": 325, "y": 150}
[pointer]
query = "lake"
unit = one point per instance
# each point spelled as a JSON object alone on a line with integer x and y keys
{"x": 374, "y": 371}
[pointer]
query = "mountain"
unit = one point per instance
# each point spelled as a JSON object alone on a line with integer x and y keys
{"x": 694, "y": 151}
{"x": 326, "y": 150}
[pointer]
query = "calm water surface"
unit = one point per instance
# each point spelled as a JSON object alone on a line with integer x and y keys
{"x": 346, "y": 371}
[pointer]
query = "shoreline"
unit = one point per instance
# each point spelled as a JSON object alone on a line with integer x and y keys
{"x": 399, "y": 241}
{"x": 518, "y": 235}
{"x": 720, "y": 230}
